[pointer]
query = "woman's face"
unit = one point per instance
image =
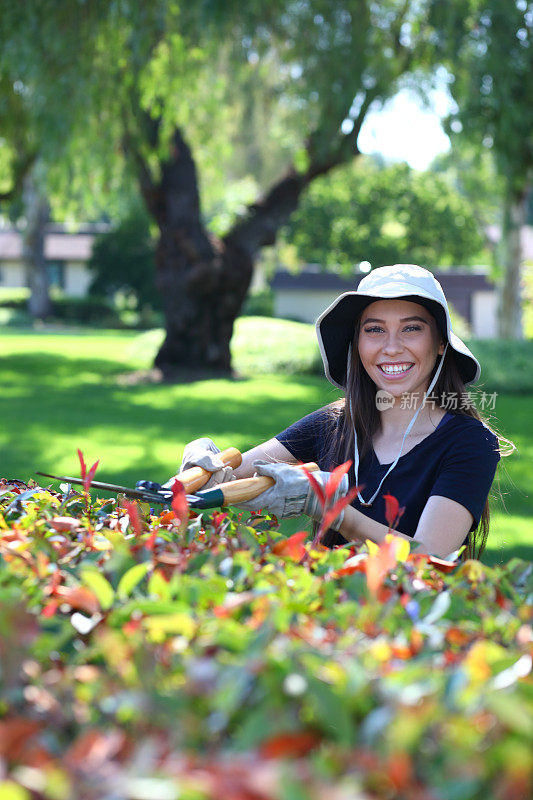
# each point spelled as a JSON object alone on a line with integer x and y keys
{"x": 398, "y": 345}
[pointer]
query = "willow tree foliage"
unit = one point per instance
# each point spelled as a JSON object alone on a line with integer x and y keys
{"x": 191, "y": 101}
{"x": 489, "y": 47}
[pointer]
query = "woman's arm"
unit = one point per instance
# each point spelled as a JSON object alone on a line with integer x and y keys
{"x": 442, "y": 528}
{"x": 267, "y": 451}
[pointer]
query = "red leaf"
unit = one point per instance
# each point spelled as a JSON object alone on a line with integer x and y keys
{"x": 399, "y": 769}
{"x": 317, "y": 488}
{"x": 458, "y": 637}
{"x": 393, "y": 512}
{"x": 179, "y": 501}
{"x": 90, "y": 475}
{"x": 16, "y": 734}
{"x": 133, "y": 513}
{"x": 291, "y": 547}
{"x": 87, "y": 477}
{"x": 289, "y": 745}
{"x": 50, "y": 609}
{"x": 131, "y": 626}
{"x": 150, "y": 542}
{"x": 83, "y": 468}
{"x": 443, "y": 565}
{"x": 377, "y": 566}
{"x": 355, "y": 563}
{"x": 218, "y": 520}
{"x": 336, "y": 477}
{"x": 392, "y": 507}
{"x": 333, "y": 512}
{"x": 167, "y": 517}
{"x": 62, "y": 524}
{"x": 78, "y": 597}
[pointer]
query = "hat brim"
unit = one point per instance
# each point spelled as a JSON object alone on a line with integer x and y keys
{"x": 335, "y": 330}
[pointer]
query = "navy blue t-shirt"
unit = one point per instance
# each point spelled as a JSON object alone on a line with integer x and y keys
{"x": 458, "y": 460}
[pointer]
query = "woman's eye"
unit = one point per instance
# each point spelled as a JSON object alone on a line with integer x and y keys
{"x": 378, "y": 329}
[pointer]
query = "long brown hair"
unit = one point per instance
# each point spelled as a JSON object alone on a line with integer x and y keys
{"x": 363, "y": 416}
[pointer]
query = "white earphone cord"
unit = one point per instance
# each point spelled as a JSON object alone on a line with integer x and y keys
{"x": 412, "y": 422}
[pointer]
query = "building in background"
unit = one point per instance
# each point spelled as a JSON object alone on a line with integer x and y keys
{"x": 303, "y": 296}
{"x": 66, "y": 254}
{"x": 300, "y": 296}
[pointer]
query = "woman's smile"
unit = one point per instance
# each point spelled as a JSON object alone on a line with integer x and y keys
{"x": 395, "y": 371}
{"x": 398, "y": 344}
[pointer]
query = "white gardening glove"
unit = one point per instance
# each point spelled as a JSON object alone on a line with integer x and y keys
{"x": 203, "y": 452}
{"x": 292, "y": 494}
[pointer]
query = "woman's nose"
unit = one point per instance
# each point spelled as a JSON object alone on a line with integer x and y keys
{"x": 393, "y": 343}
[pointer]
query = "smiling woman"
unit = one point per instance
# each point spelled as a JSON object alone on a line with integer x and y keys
{"x": 406, "y": 422}
{"x": 400, "y": 329}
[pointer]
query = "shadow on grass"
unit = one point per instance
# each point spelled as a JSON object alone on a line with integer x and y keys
{"x": 49, "y": 398}
{"x": 51, "y": 404}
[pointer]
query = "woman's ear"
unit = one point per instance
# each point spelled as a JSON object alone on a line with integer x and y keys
{"x": 442, "y": 345}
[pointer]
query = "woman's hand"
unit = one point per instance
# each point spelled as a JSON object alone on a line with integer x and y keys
{"x": 203, "y": 453}
{"x": 292, "y": 493}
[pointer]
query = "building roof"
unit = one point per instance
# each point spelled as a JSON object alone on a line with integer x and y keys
{"x": 57, "y": 246}
{"x": 458, "y": 284}
{"x": 311, "y": 280}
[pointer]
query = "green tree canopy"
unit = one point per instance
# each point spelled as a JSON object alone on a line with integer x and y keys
{"x": 384, "y": 215}
{"x": 188, "y": 100}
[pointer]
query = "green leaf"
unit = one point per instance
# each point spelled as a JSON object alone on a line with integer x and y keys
{"x": 100, "y": 586}
{"x": 511, "y": 712}
{"x": 158, "y": 586}
{"x": 331, "y": 710}
{"x": 131, "y": 579}
{"x": 9, "y": 790}
{"x": 161, "y": 625}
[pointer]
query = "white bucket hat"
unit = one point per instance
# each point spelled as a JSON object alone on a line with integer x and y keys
{"x": 335, "y": 330}
{"x": 335, "y": 327}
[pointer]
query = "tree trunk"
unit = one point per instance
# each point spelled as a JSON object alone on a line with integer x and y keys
{"x": 204, "y": 280}
{"x": 510, "y": 291}
{"x": 37, "y": 211}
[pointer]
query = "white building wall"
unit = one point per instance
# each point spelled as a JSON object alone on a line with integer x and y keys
{"x": 303, "y": 306}
{"x": 12, "y": 275}
{"x": 306, "y": 306}
{"x": 484, "y": 315}
{"x": 77, "y": 279}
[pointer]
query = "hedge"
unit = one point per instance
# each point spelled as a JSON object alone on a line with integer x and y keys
{"x": 260, "y": 345}
{"x": 167, "y": 655}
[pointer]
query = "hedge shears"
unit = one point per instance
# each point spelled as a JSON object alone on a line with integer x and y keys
{"x": 225, "y": 494}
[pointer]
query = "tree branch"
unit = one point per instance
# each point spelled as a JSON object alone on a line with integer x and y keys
{"x": 20, "y": 169}
{"x": 259, "y": 226}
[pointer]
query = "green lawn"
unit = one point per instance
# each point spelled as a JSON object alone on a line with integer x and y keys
{"x": 62, "y": 390}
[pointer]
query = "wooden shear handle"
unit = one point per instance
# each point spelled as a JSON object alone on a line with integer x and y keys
{"x": 247, "y": 488}
{"x": 196, "y": 477}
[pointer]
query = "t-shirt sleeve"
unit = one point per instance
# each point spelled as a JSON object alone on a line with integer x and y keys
{"x": 307, "y": 438}
{"x": 468, "y": 469}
